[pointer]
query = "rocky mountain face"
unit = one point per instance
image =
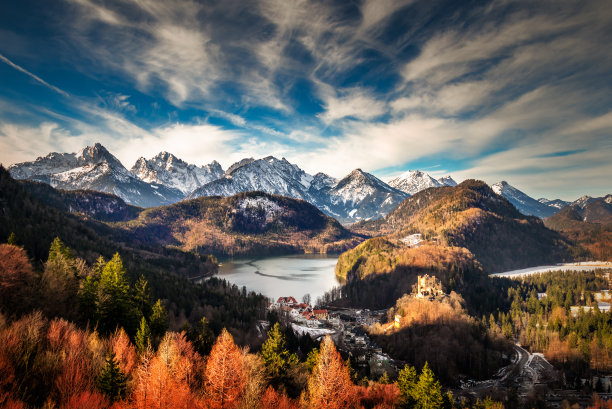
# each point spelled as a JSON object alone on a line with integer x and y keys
{"x": 361, "y": 196}
{"x": 413, "y": 181}
{"x": 523, "y": 202}
{"x": 94, "y": 168}
{"x": 170, "y": 171}
{"x": 358, "y": 196}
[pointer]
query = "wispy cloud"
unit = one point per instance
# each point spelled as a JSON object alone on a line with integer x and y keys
{"x": 33, "y": 76}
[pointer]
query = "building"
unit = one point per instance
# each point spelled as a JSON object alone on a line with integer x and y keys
{"x": 414, "y": 240}
{"x": 428, "y": 286}
{"x": 286, "y": 301}
{"x": 320, "y": 314}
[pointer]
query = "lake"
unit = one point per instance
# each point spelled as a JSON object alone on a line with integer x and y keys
{"x": 274, "y": 277}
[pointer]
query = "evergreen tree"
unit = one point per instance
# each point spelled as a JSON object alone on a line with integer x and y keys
{"x": 88, "y": 298}
{"x": 201, "y": 336}
{"x": 58, "y": 248}
{"x": 143, "y": 336}
{"x": 159, "y": 320}
{"x": 112, "y": 381}
{"x": 12, "y": 239}
{"x": 115, "y": 307}
{"x": 406, "y": 382}
{"x": 276, "y": 357}
{"x": 312, "y": 358}
{"x": 142, "y": 296}
{"x": 428, "y": 392}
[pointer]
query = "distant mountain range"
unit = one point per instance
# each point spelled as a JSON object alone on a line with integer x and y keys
{"x": 166, "y": 179}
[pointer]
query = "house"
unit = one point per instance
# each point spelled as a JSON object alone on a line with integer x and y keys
{"x": 286, "y": 301}
{"x": 320, "y": 314}
{"x": 414, "y": 240}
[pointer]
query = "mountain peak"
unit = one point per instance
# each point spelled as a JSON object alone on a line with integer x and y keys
{"x": 523, "y": 202}
{"x": 413, "y": 181}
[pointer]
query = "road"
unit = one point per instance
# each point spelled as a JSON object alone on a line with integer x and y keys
{"x": 525, "y": 372}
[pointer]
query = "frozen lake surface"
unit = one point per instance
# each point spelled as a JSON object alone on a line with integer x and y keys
{"x": 583, "y": 266}
{"x": 274, "y": 277}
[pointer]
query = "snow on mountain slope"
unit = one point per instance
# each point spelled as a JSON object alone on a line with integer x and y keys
{"x": 556, "y": 203}
{"x": 358, "y": 196}
{"x": 170, "y": 171}
{"x": 362, "y": 196}
{"x": 94, "y": 168}
{"x": 414, "y": 181}
{"x": 523, "y": 202}
{"x": 447, "y": 181}
{"x": 270, "y": 175}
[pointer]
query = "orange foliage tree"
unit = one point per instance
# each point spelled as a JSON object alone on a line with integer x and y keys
{"x": 224, "y": 377}
{"x": 330, "y": 385}
{"x": 271, "y": 399}
{"x": 162, "y": 380}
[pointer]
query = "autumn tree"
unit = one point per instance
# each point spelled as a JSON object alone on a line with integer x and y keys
{"x": 330, "y": 384}
{"x": 16, "y": 279}
{"x": 276, "y": 357}
{"x": 225, "y": 374}
{"x": 124, "y": 351}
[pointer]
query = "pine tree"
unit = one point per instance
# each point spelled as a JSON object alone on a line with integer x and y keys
{"x": 159, "y": 320}
{"x": 112, "y": 381}
{"x": 428, "y": 392}
{"x": 115, "y": 307}
{"x": 201, "y": 336}
{"x": 142, "y": 296}
{"x": 12, "y": 239}
{"x": 143, "y": 337}
{"x": 58, "y": 248}
{"x": 312, "y": 358}
{"x": 406, "y": 382}
{"x": 276, "y": 357}
{"x": 88, "y": 298}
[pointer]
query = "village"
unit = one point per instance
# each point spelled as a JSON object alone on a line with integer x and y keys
{"x": 347, "y": 327}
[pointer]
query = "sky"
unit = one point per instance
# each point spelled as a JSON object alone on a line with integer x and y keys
{"x": 493, "y": 90}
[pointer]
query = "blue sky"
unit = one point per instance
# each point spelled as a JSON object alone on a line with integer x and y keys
{"x": 513, "y": 90}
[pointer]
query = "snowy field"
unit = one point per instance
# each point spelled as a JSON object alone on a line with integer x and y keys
{"x": 583, "y": 266}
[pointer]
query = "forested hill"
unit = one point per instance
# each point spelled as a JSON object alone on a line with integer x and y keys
{"x": 471, "y": 215}
{"x": 253, "y": 223}
{"x": 589, "y": 225}
{"x": 97, "y": 205}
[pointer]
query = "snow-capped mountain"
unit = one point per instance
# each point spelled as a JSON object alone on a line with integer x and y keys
{"x": 94, "y": 168}
{"x": 583, "y": 201}
{"x": 362, "y": 196}
{"x": 414, "y": 181}
{"x": 523, "y": 202}
{"x": 170, "y": 171}
{"x": 447, "y": 181}
{"x": 358, "y": 196}
{"x": 556, "y": 203}
{"x": 270, "y": 175}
